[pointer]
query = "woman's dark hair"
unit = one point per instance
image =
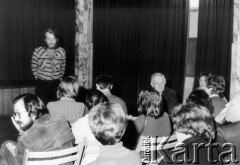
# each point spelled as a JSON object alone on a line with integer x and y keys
{"x": 33, "y": 104}
{"x": 200, "y": 97}
{"x": 95, "y": 97}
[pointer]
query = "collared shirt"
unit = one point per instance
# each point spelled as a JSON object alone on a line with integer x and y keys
{"x": 45, "y": 69}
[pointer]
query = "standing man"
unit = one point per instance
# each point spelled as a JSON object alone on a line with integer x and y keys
{"x": 169, "y": 96}
{"x": 48, "y": 66}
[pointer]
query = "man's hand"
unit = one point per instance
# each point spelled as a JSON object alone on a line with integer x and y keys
{"x": 16, "y": 125}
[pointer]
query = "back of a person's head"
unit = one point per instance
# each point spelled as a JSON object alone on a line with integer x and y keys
{"x": 217, "y": 83}
{"x": 68, "y": 88}
{"x": 32, "y": 104}
{"x": 104, "y": 81}
{"x": 95, "y": 97}
{"x": 199, "y": 97}
{"x": 195, "y": 120}
{"x": 148, "y": 103}
{"x": 107, "y": 122}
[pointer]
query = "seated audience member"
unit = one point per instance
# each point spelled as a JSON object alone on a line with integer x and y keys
{"x": 108, "y": 124}
{"x": 168, "y": 95}
{"x": 66, "y": 106}
{"x": 38, "y": 131}
{"x": 81, "y": 128}
{"x": 215, "y": 86}
{"x": 193, "y": 125}
{"x": 104, "y": 83}
{"x": 229, "y": 118}
{"x": 203, "y": 77}
{"x": 153, "y": 121}
{"x": 200, "y": 97}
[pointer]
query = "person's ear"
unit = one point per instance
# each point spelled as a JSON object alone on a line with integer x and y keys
{"x": 110, "y": 87}
{"x": 151, "y": 83}
{"x": 97, "y": 86}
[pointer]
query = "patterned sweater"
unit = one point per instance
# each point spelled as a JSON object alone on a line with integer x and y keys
{"x": 41, "y": 65}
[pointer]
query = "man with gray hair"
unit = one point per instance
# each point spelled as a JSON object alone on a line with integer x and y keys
{"x": 169, "y": 96}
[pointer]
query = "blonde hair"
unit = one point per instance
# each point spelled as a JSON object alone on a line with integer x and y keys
{"x": 68, "y": 87}
{"x": 107, "y": 122}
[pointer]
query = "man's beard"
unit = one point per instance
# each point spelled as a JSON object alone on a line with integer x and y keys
{"x": 27, "y": 126}
{"x": 52, "y": 47}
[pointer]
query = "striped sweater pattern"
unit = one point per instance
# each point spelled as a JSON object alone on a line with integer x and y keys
{"x": 41, "y": 65}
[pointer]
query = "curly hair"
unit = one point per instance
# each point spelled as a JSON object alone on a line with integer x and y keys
{"x": 149, "y": 103}
{"x": 217, "y": 83}
{"x": 194, "y": 120}
{"x": 107, "y": 122}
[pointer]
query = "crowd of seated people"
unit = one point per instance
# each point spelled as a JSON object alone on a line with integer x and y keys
{"x": 205, "y": 119}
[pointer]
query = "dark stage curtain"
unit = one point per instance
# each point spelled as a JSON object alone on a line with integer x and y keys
{"x": 215, "y": 33}
{"x": 134, "y": 38}
{"x": 22, "y": 26}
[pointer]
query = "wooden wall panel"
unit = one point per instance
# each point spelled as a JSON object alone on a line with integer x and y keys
{"x": 6, "y": 97}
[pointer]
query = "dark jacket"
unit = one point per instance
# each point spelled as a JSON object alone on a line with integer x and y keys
{"x": 46, "y": 134}
{"x": 169, "y": 100}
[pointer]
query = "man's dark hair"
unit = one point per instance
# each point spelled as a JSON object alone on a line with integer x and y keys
{"x": 205, "y": 74}
{"x": 33, "y": 104}
{"x": 104, "y": 81}
{"x": 53, "y": 32}
{"x": 95, "y": 97}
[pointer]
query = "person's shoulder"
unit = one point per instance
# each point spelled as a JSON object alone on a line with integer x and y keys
{"x": 57, "y": 120}
{"x": 51, "y": 103}
{"x": 40, "y": 48}
{"x": 140, "y": 118}
{"x": 61, "y": 50}
{"x": 80, "y": 121}
{"x": 133, "y": 156}
{"x": 168, "y": 90}
{"x": 229, "y": 127}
